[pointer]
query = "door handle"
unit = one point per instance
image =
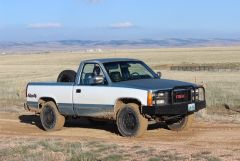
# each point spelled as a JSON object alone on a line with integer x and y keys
{"x": 78, "y": 90}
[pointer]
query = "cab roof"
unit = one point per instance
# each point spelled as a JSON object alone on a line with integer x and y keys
{"x": 108, "y": 60}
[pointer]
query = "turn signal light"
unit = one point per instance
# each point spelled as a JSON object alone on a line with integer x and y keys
{"x": 149, "y": 99}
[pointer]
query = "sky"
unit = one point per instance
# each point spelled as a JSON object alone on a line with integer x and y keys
{"x": 50, "y": 20}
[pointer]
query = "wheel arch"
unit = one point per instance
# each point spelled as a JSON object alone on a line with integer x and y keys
{"x": 43, "y": 100}
{"x": 125, "y": 100}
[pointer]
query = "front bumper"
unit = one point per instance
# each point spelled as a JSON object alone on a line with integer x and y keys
{"x": 173, "y": 109}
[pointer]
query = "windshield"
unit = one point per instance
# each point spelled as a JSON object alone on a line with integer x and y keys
{"x": 130, "y": 70}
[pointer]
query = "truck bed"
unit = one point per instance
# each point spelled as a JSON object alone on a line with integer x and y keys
{"x": 55, "y": 90}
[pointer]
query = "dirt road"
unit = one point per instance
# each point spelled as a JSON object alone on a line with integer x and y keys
{"x": 220, "y": 139}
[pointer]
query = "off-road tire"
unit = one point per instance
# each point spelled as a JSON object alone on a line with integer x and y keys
{"x": 50, "y": 117}
{"x": 181, "y": 124}
{"x": 67, "y": 76}
{"x": 130, "y": 121}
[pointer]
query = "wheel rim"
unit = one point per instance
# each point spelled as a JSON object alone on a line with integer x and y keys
{"x": 49, "y": 118}
{"x": 129, "y": 121}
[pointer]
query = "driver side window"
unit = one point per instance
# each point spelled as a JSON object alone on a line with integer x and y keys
{"x": 89, "y": 72}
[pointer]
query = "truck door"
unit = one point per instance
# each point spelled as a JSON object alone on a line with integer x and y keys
{"x": 91, "y": 99}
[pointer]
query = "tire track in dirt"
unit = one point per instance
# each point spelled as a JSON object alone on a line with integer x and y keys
{"x": 202, "y": 135}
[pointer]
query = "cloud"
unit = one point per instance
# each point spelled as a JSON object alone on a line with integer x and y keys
{"x": 122, "y": 25}
{"x": 45, "y": 25}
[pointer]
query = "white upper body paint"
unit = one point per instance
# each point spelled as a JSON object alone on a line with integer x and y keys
{"x": 102, "y": 95}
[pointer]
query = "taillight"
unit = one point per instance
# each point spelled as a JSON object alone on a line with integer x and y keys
{"x": 149, "y": 99}
{"x": 26, "y": 90}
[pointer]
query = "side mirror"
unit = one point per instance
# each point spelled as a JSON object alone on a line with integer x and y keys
{"x": 159, "y": 74}
{"x": 97, "y": 80}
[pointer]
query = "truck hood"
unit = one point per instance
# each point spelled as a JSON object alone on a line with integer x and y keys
{"x": 152, "y": 84}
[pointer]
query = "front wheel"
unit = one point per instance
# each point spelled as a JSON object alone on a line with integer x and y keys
{"x": 183, "y": 123}
{"x": 130, "y": 121}
{"x": 50, "y": 117}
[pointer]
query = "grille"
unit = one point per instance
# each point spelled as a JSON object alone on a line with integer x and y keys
{"x": 180, "y": 96}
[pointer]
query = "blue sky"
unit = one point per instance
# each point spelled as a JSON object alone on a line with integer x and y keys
{"x": 32, "y": 20}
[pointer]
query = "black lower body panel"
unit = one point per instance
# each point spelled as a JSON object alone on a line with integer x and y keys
{"x": 172, "y": 109}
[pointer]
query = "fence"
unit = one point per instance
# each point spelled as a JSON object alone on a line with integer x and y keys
{"x": 205, "y": 68}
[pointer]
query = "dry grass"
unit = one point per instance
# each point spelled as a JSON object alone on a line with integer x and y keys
{"x": 222, "y": 87}
{"x": 61, "y": 150}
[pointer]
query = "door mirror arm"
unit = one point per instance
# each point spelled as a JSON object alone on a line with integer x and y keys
{"x": 159, "y": 74}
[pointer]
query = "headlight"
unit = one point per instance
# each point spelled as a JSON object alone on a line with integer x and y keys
{"x": 200, "y": 94}
{"x": 160, "y": 94}
{"x": 195, "y": 95}
{"x": 160, "y": 98}
{"x": 160, "y": 102}
{"x": 196, "y": 90}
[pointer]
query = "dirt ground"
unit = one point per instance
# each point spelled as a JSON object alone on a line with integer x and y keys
{"x": 219, "y": 139}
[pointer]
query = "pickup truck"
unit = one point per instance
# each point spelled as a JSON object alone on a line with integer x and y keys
{"x": 126, "y": 91}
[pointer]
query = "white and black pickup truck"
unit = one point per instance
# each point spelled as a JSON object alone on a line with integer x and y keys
{"x": 124, "y": 90}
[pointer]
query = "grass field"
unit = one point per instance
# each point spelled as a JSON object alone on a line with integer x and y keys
{"x": 60, "y": 150}
{"x": 22, "y": 139}
{"x": 223, "y": 88}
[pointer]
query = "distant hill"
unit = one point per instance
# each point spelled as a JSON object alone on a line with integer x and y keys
{"x": 90, "y": 45}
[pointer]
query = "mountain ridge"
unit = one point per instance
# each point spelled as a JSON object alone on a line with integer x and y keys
{"x": 74, "y": 45}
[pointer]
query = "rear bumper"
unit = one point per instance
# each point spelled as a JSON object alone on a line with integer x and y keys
{"x": 172, "y": 109}
{"x": 26, "y": 107}
{"x": 31, "y": 106}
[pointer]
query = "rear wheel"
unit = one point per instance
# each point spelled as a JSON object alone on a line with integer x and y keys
{"x": 50, "y": 117}
{"x": 130, "y": 121}
{"x": 181, "y": 124}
